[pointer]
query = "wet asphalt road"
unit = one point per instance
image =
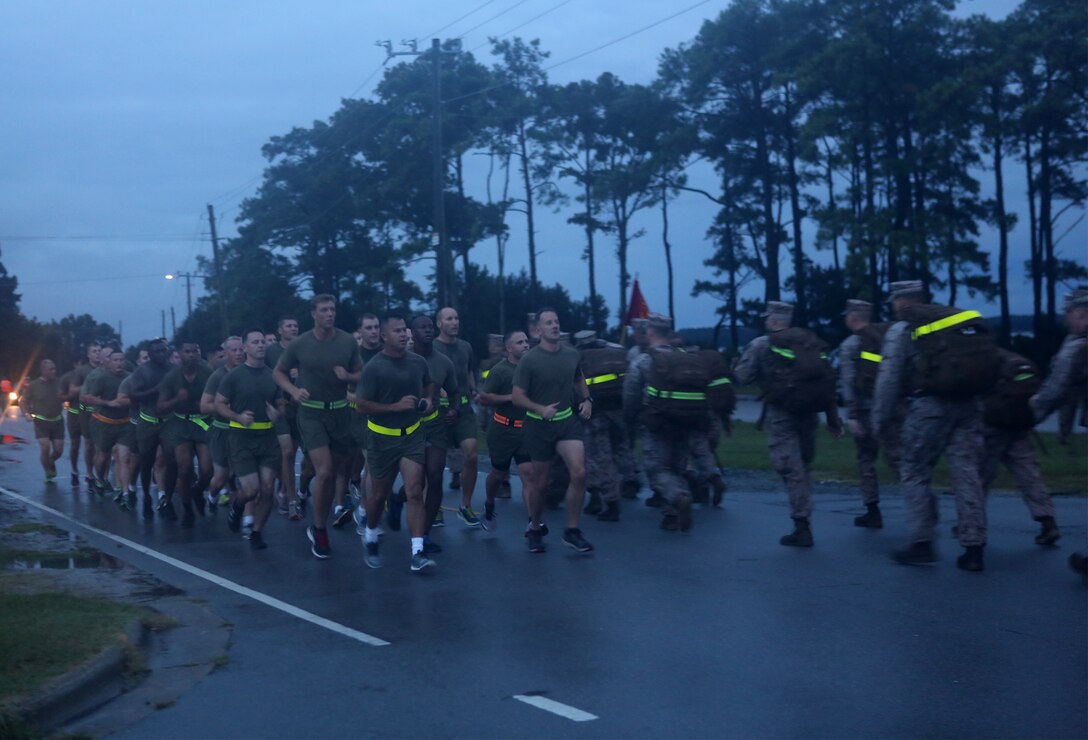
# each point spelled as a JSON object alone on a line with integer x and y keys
{"x": 719, "y": 632}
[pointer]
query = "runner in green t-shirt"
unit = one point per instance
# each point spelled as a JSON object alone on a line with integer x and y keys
{"x": 506, "y": 433}
{"x": 151, "y": 449}
{"x": 370, "y": 343}
{"x": 545, "y": 379}
{"x": 463, "y": 429}
{"x": 43, "y": 404}
{"x": 327, "y": 360}
{"x": 81, "y": 430}
{"x": 186, "y": 431}
{"x": 251, "y": 402}
{"x": 109, "y": 417}
{"x": 287, "y": 433}
{"x": 234, "y": 355}
{"x": 395, "y": 391}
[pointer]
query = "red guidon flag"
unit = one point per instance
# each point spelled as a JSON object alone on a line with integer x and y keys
{"x": 637, "y": 308}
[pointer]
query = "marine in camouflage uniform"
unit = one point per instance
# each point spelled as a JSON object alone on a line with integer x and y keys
{"x": 1067, "y": 378}
{"x": 858, "y": 315}
{"x": 934, "y": 425}
{"x": 791, "y": 437}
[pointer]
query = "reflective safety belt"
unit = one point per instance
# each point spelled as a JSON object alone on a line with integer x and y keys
{"x": 787, "y": 353}
{"x": 564, "y": 414}
{"x": 73, "y": 409}
{"x": 47, "y": 418}
{"x": 719, "y": 381}
{"x": 325, "y": 405}
{"x": 871, "y": 357}
{"x": 108, "y": 420}
{"x": 677, "y": 395}
{"x": 430, "y": 417}
{"x": 220, "y": 424}
{"x": 506, "y": 421}
{"x": 465, "y": 400}
{"x": 603, "y": 378}
{"x": 945, "y": 323}
{"x": 149, "y": 418}
{"x": 257, "y": 425}
{"x": 197, "y": 419}
{"x": 1024, "y": 376}
{"x": 391, "y": 431}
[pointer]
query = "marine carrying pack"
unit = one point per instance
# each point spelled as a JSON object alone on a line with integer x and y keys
{"x": 953, "y": 352}
{"x": 1006, "y": 406}
{"x": 604, "y": 369}
{"x": 676, "y": 393}
{"x": 799, "y": 376}
{"x": 721, "y": 395}
{"x": 871, "y": 340}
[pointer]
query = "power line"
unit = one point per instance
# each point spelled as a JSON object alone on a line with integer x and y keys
{"x": 98, "y": 238}
{"x": 93, "y": 279}
{"x": 509, "y": 31}
{"x": 477, "y": 9}
{"x": 497, "y": 15}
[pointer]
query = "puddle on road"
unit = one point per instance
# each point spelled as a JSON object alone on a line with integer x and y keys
{"x": 98, "y": 560}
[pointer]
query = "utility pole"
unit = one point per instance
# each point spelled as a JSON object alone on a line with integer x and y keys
{"x": 163, "y": 313}
{"x": 218, "y": 281}
{"x": 173, "y": 323}
{"x": 439, "y": 238}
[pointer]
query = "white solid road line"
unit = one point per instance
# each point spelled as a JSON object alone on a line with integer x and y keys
{"x": 271, "y": 601}
{"x": 563, "y": 710}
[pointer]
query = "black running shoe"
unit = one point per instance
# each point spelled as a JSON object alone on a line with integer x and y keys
{"x": 319, "y": 543}
{"x": 535, "y": 541}
{"x": 234, "y": 518}
{"x": 341, "y": 516}
{"x": 573, "y": 538}
{"x": 256, "y": 542}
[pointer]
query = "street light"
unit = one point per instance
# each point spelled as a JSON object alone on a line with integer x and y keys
{"x": 188, "y": 287}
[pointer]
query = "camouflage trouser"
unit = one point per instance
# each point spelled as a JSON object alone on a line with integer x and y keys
{"x": 603, "y": 438}
{"x": 703, "y": 458}
{"x": 714, "y": 437}
{"x": 792, "y": 442}
{"x": 1014, "y": 449}
{"x": 867, "y": 451}
{"x": 625, "y": 454}
{"x": 665, "y": 458}
{"x": 935, "y": 426}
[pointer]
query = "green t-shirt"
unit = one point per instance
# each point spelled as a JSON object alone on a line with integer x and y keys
{"x": 442, "y": 375}
{"x": 175, "y": 380}
{"x": 249, "y": 389}
{"x": 463, "y": 359}
{"x": 212, "y": 387}
{"x": 369, "y": 354}
{"x": 500, "y": 381}
{"x": 42, "y": 398}
{"x": 315, "y": 361}
{"x": 146, "y": 377}
{"x": 387, "y": 380}
{"x": 548, "y": 377}
{"x": 273, "y": 354}
{"x": 105, "y": 385}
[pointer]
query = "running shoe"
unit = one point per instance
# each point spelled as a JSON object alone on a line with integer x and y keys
{"x": 341, "y": 515}
{"x": 247, "y": 530}
{"x": 439, "y": 519}
{"x": 302, "y": 501}
{"x": 355, "y": 493}
{"x": 75, "y": 480}
{"x": 490, "y": 521}
{"x": 163, "y": 502}
{"x": 430, "y": 546}
{"x": 297, "y": 510}
{"x": 319, "y": 543}
{"x": 421, "y": 562}
{"x": 256, "y": 542}
{"x": 468, "y": 516}
{"x": 371, "y": 555}
{"x": 359, "y": 517}
{"x": 573, "y": 538}
{"x": 223, "y": 500}
{"x": 50, "y": 476}
{"x": 534, "y": 538}
{"x": 543, "y": 529}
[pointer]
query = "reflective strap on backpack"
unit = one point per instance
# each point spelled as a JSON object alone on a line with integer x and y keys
{"x": 677, "y": 395}
{"x": 945, "y": 323}
{"x": 718, "y": 381}
{"x": 871, "y": 357}
{"x": 787, "y": 353}
{"x": 1024, "y": 376}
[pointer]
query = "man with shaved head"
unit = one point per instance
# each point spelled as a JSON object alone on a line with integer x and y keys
{"x": 43, "y": 404}
{"x": 462, "y": 427}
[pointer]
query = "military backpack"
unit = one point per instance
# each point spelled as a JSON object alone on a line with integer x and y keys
{"x": 953, "y": 352}
{"x": 604, "y": 369}
{"x": 1006, "y": 406}
{"x": 721, "y": 395}
{"x": 799, "y": 377}
{"x": 871, "y": 339}
{"x": 676, "y": 393}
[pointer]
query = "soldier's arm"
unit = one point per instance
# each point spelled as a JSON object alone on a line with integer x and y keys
{"x": 1055, "y": 389}
{"x": 889, "y": 379}
{"x": 747, "y": 369}
{"x": 848, "y": 352}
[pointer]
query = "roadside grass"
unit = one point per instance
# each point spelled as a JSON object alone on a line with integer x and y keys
{"x": 10, "y": 555}
{"x": 44, "y": 635}
{"x": 26, "y": 527}
{"x": 1065, "y": 469}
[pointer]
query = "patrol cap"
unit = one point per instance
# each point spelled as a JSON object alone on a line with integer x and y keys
{"x": 659, "y": 323}
{"x": 778, "y": 310}
{"x": 585, "y": 335}
{"x": 858, "y": 306}
{"x": 1077, "y": 299}
{"x": 906, "y": 287}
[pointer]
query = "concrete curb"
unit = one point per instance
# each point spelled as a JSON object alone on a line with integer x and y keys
{"x": 82, "y": 689}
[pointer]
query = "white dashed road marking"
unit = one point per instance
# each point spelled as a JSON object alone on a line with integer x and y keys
{"x": 563, "y": 710}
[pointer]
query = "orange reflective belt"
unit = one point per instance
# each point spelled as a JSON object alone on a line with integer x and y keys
{"x": 507, "y": 421}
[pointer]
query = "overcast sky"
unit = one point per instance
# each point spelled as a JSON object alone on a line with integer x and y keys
{"x": 123, "y": 120}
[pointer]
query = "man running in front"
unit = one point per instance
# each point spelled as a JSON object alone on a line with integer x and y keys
{"x": 546, "y": 380}
{"x": 43, "y": 404}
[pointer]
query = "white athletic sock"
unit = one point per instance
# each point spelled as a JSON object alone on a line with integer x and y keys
{"x": 417, "y": 545}
{"x": 247, "y": 521}
{"x": 371, "y": 534}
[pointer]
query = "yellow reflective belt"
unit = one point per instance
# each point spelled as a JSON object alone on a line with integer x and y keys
{"x": 678, "y": 395}
{"x": 1024, "y": 376}
{"x": 433, "y": 415}
{"x": 787, "y": 353}
{"x": 197, "y": 419}
{"x": 47, "y": 418}
{"x": 390, "y": 431}
{"x": 564, "y": 414}
{"x": 220, "y": 424}
{"x": 603, "y": 378}
{"x": 945, "y": 323}
{"x": 465, "y": 400}
{"x": 254, "y": 425}
{"x": 485, "y": 373}
{"x": 74, "y": 410}
{"x": 149, "y": 418}
{"x": 871, "y": 357}
{"x": 719, "y": 381}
